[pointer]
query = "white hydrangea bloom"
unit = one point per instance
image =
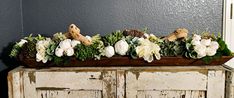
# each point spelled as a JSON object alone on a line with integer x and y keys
{"x": 200, "y": 50}
{"x": 41, "y": 47}
{"x": 206, "y": 42}
{"x": 66, "y": 48}
{"x": 210, "y": 51}
{"x": 196, "y": 37}
{"x": 59, "y": 52}
{"x": 65, "y": 44}
{"x": 22, "y": 42}
{"x": 214, "y": 45}
{"x": 109, "y": 51}
{"x": 147, "y": 50}
{"x": 75, "y": 42}
{"x": 195, "y": 42}
{"x": 70, "y": 51}
{"x": 121, "y": 47}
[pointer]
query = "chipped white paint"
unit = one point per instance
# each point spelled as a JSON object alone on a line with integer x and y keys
{"x": 69, "y": 80}
{"x": 216, "y": 84}
{"x": 120, "y": 83}
{"x": 29, "y": 85}
{"x": 68, "y": 94}
{"x": 171, "y": 94}
{"x": 117, "y": 82}
{"x": 190, "y": 80}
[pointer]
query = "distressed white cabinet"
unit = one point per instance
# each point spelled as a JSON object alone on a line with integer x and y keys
{"x": 118, "y": 82}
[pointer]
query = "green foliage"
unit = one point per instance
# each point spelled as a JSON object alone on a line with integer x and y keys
{"x": 133, "y": 43}
{"x": 223, "y": 48}
{"x": 96, "y": 40}
{"x": 111, "y": 39}
{"x": 174, "y": 48}
{"x": 58, "y": 37}
{"x": 15, "y": 50}
{"x": 189, "y": 50}
{"x": 83, "y": 52}
{"x": 50, "y": 51}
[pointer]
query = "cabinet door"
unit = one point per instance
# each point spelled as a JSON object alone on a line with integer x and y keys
{"x": 163, "y": 84}
{"x": 64, "y": 84}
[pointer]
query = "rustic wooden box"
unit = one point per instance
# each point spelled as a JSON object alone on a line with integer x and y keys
{"x": 118, "y": 82}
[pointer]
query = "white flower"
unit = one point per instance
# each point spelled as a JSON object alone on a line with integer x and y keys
{"x": 89, "y": 38}
{"x": 206, "y": 42}
{"x": 39, "y": 57}
{"x": 196, "y": 37}
{"x": 147, "y": 50}
{"x": 210, "y": 51}
{"x": 200, "y": 50}
{"x": 45, "y": 60}
{"x": 196, "y": 42}
{"x": 214, "y": 45}
{"x": 65, "y": 44}
{"x": 109, "y": 51}
{"x": 70, "y": 52}
{"x": 59, "y": 52}
{"x": 22, "y": 42}
{"x": 41, "y": 47}
{"x": 146, "y": 35}
{"x": 74, "y": 43}
{"x": 121, "y": 47}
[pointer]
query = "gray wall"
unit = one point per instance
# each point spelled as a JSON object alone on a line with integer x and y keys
{"x": 100, "y": 16}
{"x": 10, "y": 31}
{"x": 103, "y": 16}
{"x": 10, "y": 25}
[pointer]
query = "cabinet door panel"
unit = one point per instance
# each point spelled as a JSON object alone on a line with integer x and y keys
{"x": 68, "y": 94}
{"x": 155, "y": 81}
{"x": 69, "y": 84}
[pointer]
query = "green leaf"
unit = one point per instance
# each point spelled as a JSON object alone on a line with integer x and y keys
{"x": 207, "y": 59}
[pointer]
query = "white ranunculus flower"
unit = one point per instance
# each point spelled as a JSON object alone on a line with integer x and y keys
{"x": 74, "y": 43}
{"x": 121, "y": 47}
{"x": 39, "y": 57}
{"x": 196, "y": 37}
{"x": 200, "y": 50}
{"x": 196, "y": 42}
{"x": 148, "y": 58}
{"x": 210, "y": 51}
{"x": 147, "y": 50}
{"x": 206, "y": 42}
{"x": 70, "y": 52}
{"x": 59, "y": 52}
{"x": 109, "y": 51}
{"x": 214, "y": 45}
{"x": 89, "y": 38}
{"x": 22, "y": 42}
{"x": 65, "y": 44}
{"x": 201, "y": 55}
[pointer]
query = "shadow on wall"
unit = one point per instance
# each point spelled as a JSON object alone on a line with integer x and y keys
{"x": 11, "y": 63}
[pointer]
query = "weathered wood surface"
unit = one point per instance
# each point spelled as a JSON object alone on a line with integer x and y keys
{"x": 216, "y": 84}
{"x": 68, "y": 94}
{"x": 31, "y": 83}
{"x": 170, "y": 94}
{"x": 126, "y": 61}
{"x": 118, "y": 82}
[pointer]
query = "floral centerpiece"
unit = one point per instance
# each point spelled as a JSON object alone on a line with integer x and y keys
{"x": 131, "y": 46}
